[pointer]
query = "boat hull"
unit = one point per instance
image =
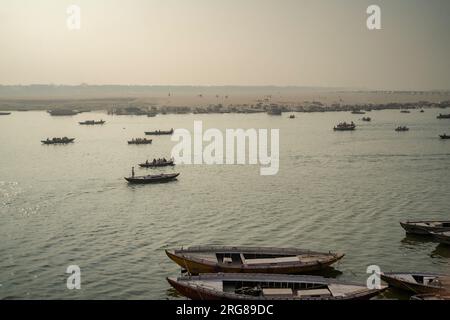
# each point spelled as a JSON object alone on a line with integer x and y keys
{"x": 198, "y": 292}
{"x": 418, "y": 288}
{"x": 138, "y": 180}
{"x": 413, "y": 228}
{"x": 441, "y": 237}
{"x": 197, "y": 266}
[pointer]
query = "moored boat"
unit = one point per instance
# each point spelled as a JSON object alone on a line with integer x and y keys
{"x": 140, "y": 141}
{"x": 344, "y": 126}
{"x": 368, "y": 119}
{"x": 5, "y": 113}
{"x": 159, "y": 132}
{"x": 358, "y": 112}
{"x": 425, "y": 227}
{"x": 238, "y": 286}
{"x": 157, "y": 163}
{"x": 444, "y": 136}
{"x": 443, "y": 116}
{"x": 442, "y": 237}
{"x": 405, "y": 111}
{"x": 227, "y": 259}
{"x": 63, "y": 140}
{"x": 156, "y": 178}
{"x": 92, "y": 122}
{"x": 418, "y": 282}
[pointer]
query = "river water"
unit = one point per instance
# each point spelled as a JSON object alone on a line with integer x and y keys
{"x": 342, "y": 191}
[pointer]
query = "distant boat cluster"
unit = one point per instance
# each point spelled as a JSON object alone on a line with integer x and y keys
{"x": 344, "y": 126}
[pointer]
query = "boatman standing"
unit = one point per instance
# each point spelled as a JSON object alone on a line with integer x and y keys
{"x": 132, "y": 172}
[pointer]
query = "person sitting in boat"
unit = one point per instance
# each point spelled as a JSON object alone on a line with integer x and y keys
{"x": 146, "y": 161}
{"x": 164, "y": 160}
{"x": 132, "y": 172}
{"x": 154, "y": 161}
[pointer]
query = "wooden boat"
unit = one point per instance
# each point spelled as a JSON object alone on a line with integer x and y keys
{"x": 159, "y": 132}
{"x": 358, "y": 112}
{"x": 443, "y": 116}
{"x": 425, "y": 227}
{"x": 63, "y": 140}
{"x": 210, "y": 259}
{"x": 431, "y": 296}
{"x": 442, "y": 237}
{"x": 157, "y": 164}
{"x": 422, "y": 111}
{"x": 418, "y": 282}
{"x": 368, "y": 119}
{"x": 405, "y": 111}
{"x": 292, "y": 116}
{"x": 401, "y": 129}
{"x": 343, "y": 126}
{"x": 140, "y": 141}
{"x": 444, "y": 136}
{"x": 92, "y": 122}
{"x": 5, "y": 113}
{"x": 238, "y": 286}
{"x": 156, "y": 178}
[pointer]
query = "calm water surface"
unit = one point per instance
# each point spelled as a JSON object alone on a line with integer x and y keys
{"x": 344, "y": 191}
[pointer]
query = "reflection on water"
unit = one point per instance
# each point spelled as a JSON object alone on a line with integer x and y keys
{"x": 336, "y": 191}
{"x": 442, "y": 250}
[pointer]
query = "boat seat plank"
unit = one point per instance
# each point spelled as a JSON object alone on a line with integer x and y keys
{"x": 314, "y": 292}
{"x": 278, "y": 292}
{"x": 270, "y": 260}
{"x": 338, "y": 290}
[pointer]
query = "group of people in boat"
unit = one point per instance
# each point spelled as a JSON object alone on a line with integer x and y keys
{"x": 402, "y": 128}
{"x": 140, "y": 141}
{"x": 157, "y": 161}
{"x": 58, "y": 140}
{"x": 345, "y": 126}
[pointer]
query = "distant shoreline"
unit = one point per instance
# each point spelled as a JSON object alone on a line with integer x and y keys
{"x": 214, "y": 99}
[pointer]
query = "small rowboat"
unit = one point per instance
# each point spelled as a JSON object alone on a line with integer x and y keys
{"x": 343, "y": 126}
{"x": 442, "y": 237}
{"x": 58, "y": 141}
{"x": 358, "y": 112}
{"x": 418, "y": 282}
{"x": 444, "y": 136}
{"x": 405, "y": 111}
{"x": 156, "y": 178}
{"x": 401, "y": 129}
{"x": 425, "y": 227}
{"x": 157, "y": 164}
{"x": 5, "y": 113}
{"x": 140, "y": 141}
{"x": 238, "y": 286}
{"x": 443, "y": 116}
{"x": 159, "y": 132}
{"x": 92, "y": 122}
{"x": 210, "y": 259}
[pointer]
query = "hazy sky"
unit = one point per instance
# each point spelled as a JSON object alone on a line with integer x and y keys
{"x": 227, "y": 42}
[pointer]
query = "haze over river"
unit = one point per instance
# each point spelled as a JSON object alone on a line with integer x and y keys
{"x": 341, "y": 191}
